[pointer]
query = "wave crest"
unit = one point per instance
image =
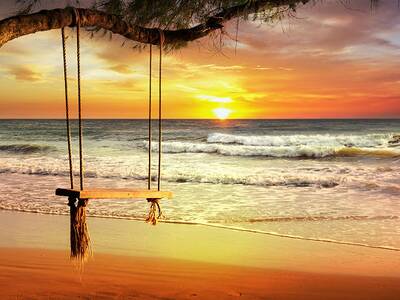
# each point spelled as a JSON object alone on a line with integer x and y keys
{"x": 25, "y": 148}
{"x": 301, "y": 151}
{"x": 250, "y": 180}
{"x": 328, "y": 140}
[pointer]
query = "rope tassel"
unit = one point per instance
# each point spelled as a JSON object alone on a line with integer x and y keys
{"x": 155, "y": 212}
{"x": 79, "y": 233}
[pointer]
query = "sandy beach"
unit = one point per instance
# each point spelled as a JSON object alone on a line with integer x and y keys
{"x": 37, "y": 273}
{"x": 133, "y": 260}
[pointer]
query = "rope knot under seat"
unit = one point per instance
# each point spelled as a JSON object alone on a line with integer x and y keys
{"x": 83, "y": 202}
{"x": 71, "y": 201}
{"x": 155, "y": 212}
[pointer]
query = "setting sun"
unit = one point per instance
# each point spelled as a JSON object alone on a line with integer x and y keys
{"x": 222, "y": 113}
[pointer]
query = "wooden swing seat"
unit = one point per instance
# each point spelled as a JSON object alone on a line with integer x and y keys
{"x": 113, "y": 193}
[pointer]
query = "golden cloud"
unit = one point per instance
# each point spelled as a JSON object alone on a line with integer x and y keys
{"x": 24, "y": 73}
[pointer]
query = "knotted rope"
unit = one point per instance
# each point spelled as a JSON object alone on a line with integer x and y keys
{"x": 162, "y": 38}
{"x": 79, "y": 233}
{"x": 71, "y": 173}
{"x": 155, "y": 212}
{"x": 150, "y": 118}
{"x": 78, "y": 60}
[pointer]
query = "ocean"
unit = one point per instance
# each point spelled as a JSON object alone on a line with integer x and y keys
{"x": 327, "y": 180}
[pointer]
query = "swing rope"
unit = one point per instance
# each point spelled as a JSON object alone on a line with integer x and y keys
{"x": 71, "y": 174}
{"x": 78, "y": 60}
{"x": 149, "y": 158}
{"x": 159, "y": 115}
{"x": 155, "y": 212}
{"x": 67, "y": 118}
{"x": 160, "y": 111}
{"x": 79, "y": 234}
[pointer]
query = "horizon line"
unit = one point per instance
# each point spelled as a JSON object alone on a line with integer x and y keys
{"x": 214, "y": 119}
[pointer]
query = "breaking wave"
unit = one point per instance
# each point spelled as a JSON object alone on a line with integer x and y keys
{"x": 297, "y": 179}
{"x": 250, "y": 180}
{"x": 290, "y": 146}
{"x": 349, "y": 152}
{"x": 328, "y": 140}
{"x": 281, "y": 151}
{"x": 25, "y": 148}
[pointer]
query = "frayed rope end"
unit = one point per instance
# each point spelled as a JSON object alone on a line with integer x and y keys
{"x": 79, "y": 233}
{"x": 155, "y": 212}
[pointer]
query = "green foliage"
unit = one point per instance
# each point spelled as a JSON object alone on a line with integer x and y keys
{"x": 173, "y": 14}
{"x": 26, "y": 6}
{"x": 178, "y": 14}
{"x": 183, "y": 14}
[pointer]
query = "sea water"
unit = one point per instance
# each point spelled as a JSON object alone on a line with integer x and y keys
{"x": 327, "y": 180}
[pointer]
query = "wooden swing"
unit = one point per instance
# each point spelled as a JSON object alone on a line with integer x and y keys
{"x": 82, "y": 194}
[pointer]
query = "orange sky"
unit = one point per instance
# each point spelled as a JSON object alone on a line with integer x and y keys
{"x": 329, "y": 62}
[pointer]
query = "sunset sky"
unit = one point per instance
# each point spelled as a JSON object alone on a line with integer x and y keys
{"x": 331, "y": 61}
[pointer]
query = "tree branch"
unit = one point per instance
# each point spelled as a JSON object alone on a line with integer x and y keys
{"x": 45, "y": 20}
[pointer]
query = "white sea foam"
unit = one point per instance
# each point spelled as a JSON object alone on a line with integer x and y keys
{"x": 327, "y": 140}
{"x": 323, "y": 218}
{"x": 355, "y": 179}
{"x": 180, "y": 177}
{"x": 279, "y": 151}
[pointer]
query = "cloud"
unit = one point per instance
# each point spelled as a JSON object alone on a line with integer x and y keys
{"x": 24, "y": 73}
{"x": 122, "y": 85}
{"x": 121, "y": 68}
{"x": 260, "y": 68}
{"x": 13, "y": 49}
{"x": 211, "y": 98}
{"x": 234, "y": 67}
{"x": 119, "y": 59}
{"x": 326, "y": 28}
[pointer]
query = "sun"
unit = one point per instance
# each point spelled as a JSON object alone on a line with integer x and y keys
{"x": 222, "y": 113}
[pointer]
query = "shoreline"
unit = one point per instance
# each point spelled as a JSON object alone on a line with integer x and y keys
{"x": 224, "y": 227}
{"x": 197, "y": 243}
